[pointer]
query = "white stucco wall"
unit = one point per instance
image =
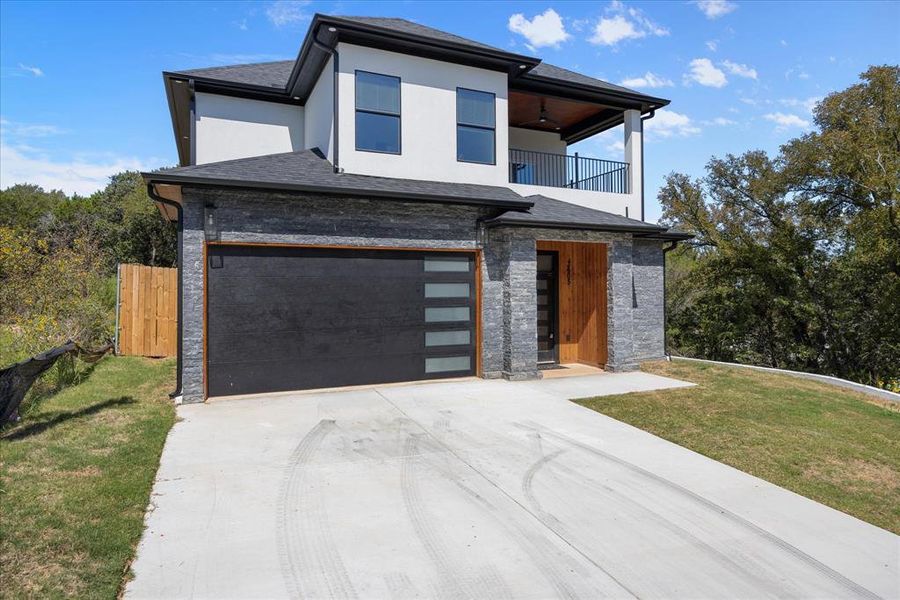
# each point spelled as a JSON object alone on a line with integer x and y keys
{"x": 536, "y": 141}
{"x": 228, "y": 128}
{"x": 427, "y": 117}
{"x": 320, "y": 113}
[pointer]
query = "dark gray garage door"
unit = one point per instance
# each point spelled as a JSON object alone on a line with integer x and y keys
{"x": 291, "y": 318}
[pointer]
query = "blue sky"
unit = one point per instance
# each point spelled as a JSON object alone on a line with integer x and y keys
{"x": 81, "y": 95}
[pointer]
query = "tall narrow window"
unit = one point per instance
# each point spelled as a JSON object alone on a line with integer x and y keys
{"x": 475, "y": 123}
{"x": 377, "y": 112}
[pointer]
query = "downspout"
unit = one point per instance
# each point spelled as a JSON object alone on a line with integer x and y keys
{"x": 192, "y": 153}
{"x": 180, "y": 247}
{"x": 665, "y": 251}
{"x": 335, "y": 63}
{"x": 646, "y": 117}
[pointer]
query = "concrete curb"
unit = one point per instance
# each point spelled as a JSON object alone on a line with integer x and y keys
{"x": 852, "y": 385}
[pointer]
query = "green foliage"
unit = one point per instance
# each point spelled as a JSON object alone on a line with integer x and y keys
{"x": 796, "y": 260}
{"x": 120, "y": 220}
{"x": 75, "y": 481}
{"x": 58, "y": 258}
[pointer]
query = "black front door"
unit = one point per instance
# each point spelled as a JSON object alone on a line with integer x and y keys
{"x": 290, "y": 318}
{"x": 547, "y": 294}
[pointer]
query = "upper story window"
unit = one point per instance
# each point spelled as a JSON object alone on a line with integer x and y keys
{"x": 475, "y": 125}
{"x": 377, "y": 112}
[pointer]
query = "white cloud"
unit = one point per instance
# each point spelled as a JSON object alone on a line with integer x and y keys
{"x": 608, "y": 144}
{"x": 23, "y": 164}
{"x": 287, "y": 12}
{"x": 713, "y": 9}
{"x": 609, "y": 32}
{"x": 616, "y": 147}
{"x": 648, "y": 80}
{"x": 807, "y": 104}
{"x": 624, "y": 24}
{"x": 722, "y": 122}
{"x": 739, "y": 69}
{"x": 580, "y": 24}
{"x": 786, "y": 121}
{"x": 545, "y": 29}
{"x": 27, "y": 130}
{"x": 706, "y": 73}
{"x": 668, "y": 123}
{"x": 36, "y": 71}
{"x": 797, "y": 71}
{"x": 713, "y": 45}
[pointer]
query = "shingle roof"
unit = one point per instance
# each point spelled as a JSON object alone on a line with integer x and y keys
{"x": 548, "y": 212}
{"x": 409, "y": 27}
{"x": 548, "y": 71}
{"x": 276, "y": 74}
{"x": 307, "y": 171}
{"x": 268, "y": 74}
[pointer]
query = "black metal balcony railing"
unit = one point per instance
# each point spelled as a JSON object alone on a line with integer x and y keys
{"x": 563, "y": 171}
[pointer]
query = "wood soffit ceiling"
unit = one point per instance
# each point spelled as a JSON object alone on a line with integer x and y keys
{"x": 525, "y": 109}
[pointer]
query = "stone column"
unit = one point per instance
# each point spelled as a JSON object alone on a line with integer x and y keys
{"x": 520, "y": 309}
{"x": 192, "y": 300}
{"x": 494, "y": 258}
{"x": 620, "y": 307}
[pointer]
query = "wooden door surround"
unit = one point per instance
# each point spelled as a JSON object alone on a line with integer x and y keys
{"x": 582, "y": 327}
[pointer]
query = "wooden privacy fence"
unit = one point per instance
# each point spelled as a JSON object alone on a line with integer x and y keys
{"x": 147, "y": 311}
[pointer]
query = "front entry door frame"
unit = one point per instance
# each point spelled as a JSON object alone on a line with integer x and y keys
{"x": 548, "y": 303}
{"x": 581, "y": 300}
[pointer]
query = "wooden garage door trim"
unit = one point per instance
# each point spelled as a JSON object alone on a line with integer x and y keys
{"x": 476, "y": 252}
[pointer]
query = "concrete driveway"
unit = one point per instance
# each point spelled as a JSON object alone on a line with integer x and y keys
{"x": 479, "y": 489}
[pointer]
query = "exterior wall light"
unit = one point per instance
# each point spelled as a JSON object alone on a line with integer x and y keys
{"x": 210, "y": 229}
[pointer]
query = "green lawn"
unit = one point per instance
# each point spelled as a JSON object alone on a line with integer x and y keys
{"x": 75, "y": 479}
{"x": 835, "y": 446}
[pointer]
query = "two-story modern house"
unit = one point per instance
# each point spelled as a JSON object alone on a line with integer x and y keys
{"x": 398, "y": 204}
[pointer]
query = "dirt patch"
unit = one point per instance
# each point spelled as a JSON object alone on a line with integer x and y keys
{"x": 854, "y": 473}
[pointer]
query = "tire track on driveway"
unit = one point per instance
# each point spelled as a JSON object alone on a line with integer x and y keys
{"x": 311, "y": 564}
{"x": 849, "y": 585}
{"x": 456, "y": 580}
{"x": 614, "y": 500}
{"x": 564, "y": 589}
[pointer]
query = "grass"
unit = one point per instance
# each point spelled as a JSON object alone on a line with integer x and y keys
{"x": 838, "y": 447}
{"x": 75, "y": 480}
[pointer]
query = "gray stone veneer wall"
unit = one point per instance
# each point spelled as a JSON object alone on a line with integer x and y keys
{"x": 508, "y": 269}
{"x": 649, "y": 325}
{"x": 249, "y": 216}
{"x": 634, "y": 296}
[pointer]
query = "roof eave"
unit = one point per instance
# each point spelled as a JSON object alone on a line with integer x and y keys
{"x": 331, "y": 191}
{"x": 652, "y": 102}
{"x": 668, "y": 235}
{"x": 365, "y": 34}
{"x": 613, "y": 228}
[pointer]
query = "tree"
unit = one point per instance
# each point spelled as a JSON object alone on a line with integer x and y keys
{"x": 796, "y": 260}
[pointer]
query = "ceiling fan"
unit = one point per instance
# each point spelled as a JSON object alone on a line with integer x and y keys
{"x": 543, "y": 119}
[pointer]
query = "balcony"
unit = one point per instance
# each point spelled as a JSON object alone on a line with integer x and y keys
{"x": 564, "y": 171}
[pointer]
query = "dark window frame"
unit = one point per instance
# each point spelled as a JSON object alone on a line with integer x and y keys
{"x": 399, "y": 115}
{"x": 482, "y": 127}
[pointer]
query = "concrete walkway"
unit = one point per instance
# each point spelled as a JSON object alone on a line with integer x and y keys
{"x": 479, "y": 489}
